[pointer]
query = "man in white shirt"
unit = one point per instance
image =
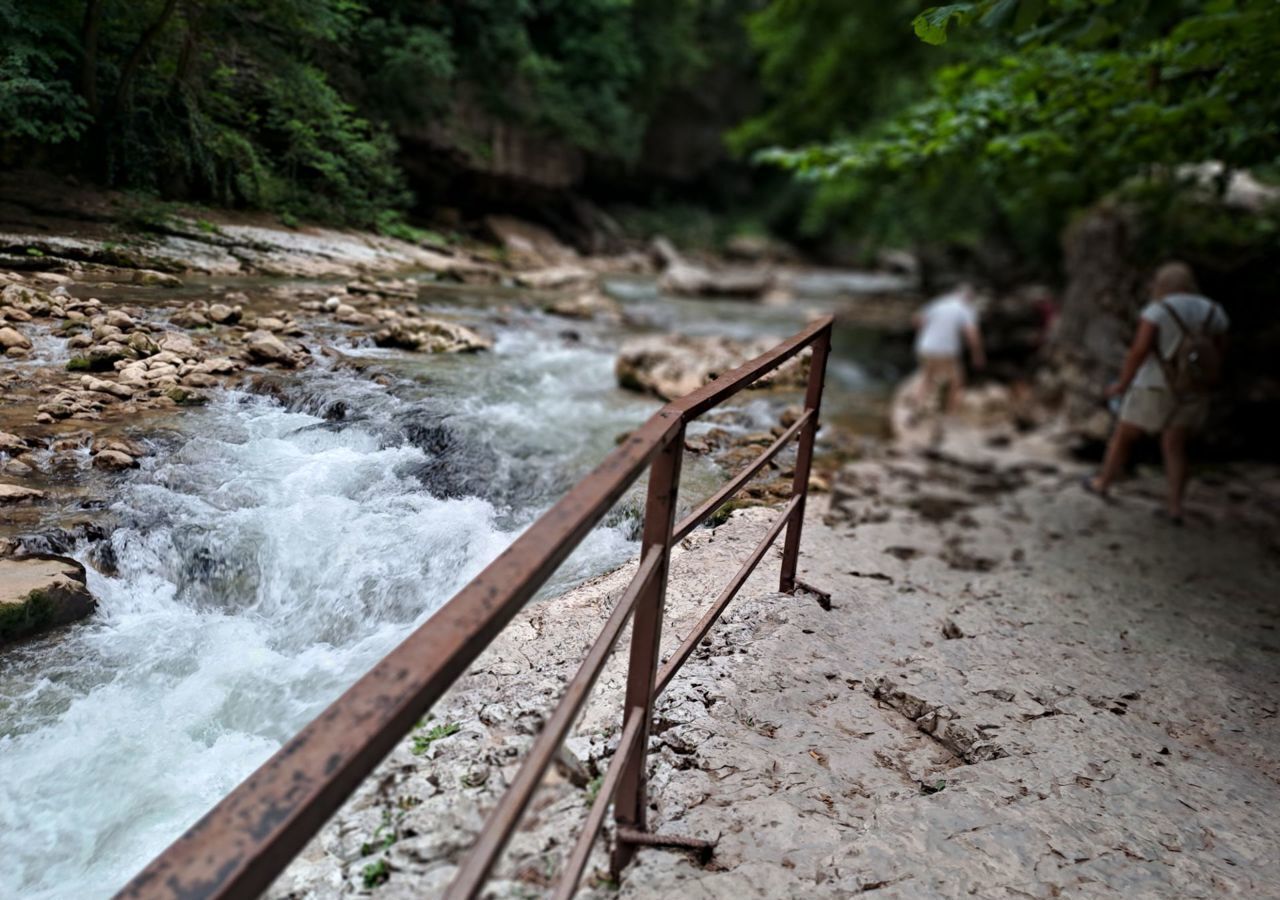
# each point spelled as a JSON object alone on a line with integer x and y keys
{"x": 943, "y": 327}
{"x": 1178, "y": 317}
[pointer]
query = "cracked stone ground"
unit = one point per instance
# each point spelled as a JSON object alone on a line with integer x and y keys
{"x": 1018, "y": 691}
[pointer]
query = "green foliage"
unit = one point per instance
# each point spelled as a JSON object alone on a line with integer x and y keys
{"x": 375, "y": 873}
{"x": 37, "y": 101}
{"x": 423, "y": 740}
{"x": 830, "y": 66}
{"x": 292, "y": 105}
{"x": 1057, "y": 103}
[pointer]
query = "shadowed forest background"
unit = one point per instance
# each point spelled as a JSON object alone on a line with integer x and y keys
{"x": 978, "y": 129}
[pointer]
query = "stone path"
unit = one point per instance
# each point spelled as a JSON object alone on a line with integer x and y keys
{"x": 1017, "y": 692}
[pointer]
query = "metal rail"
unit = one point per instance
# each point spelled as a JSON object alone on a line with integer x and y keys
{"x": 244, "y": 842}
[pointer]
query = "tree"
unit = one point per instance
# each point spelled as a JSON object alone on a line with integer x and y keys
{"x": 1062, "y": 101}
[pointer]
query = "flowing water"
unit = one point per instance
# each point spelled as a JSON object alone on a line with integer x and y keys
{"x": 266, "y": 556}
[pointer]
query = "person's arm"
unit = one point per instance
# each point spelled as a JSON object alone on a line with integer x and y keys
{"x": 977, "y": 353}
{"x": 1143, "y": 343}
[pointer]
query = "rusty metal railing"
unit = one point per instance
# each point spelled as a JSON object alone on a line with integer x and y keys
{"x": 245, "y": 841}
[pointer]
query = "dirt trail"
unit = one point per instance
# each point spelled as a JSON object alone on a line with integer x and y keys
{"x": 1019, "y": 691}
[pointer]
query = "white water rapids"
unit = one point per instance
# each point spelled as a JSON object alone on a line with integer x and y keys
{"x": 265, "y": 559}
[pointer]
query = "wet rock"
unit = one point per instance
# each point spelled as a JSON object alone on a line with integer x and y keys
{"x": 587, "y": 305}
{"x": 123, "y": 391}
{"x": 670, "y": 366}
{"x": 12, "y": 339}
{"x": 180, "y": 345}
{"x": 222, "y": 314}
{"x": 11, "y": 443}
{"x": 152, "y": 278}
{"x": 265, "y": 347}
{"x": 557, "y": 278}
{"x": 687, "y": 279}
{"x": 113, "y": 461}
{"x": 189, "y": 318}
{"x": 16, "y": 493}
{"x": 41, "y": 592}
{"x": 432, "y": 336}
{"x": 528, "y": 244}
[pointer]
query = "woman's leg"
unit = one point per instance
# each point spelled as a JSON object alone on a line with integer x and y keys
{"x": 1173, "y": 444}
{"x": 1118, "y": 450}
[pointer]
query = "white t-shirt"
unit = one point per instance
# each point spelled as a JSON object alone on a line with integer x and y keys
{"x": 1199, "y": 314}
{"x": 943, "y": 323}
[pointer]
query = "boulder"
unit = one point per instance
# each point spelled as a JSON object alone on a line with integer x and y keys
{"x": 528, "y": 244}
{"x": 180, "y": 345}
{"x": 123, "y": 391}
{"x": 586, "y": 305}
{"x": 12, "y": 339}
{"x": 11, "y": 443}
{"x": 686, "y": 279}
{"x": 557, "y": 278}
{"x": 670, "y": 366}
{"x": 265, "y": 347}
{"x": 41, "y": 592}
{"x": 222, "y": 314}
{"x": 152, "y": 278}
{"x": 113, "y": 460}
{"x": 432, "y": 336}
{"x": 16, "y": 493}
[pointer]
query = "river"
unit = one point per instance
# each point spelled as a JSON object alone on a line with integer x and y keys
{"x": 267, "y": 555}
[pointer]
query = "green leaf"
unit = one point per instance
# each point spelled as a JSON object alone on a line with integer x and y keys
{"x": 931, "y": 25}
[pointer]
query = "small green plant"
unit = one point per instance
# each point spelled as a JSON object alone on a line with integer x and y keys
{"x": 289, "y": 220}
{"x": 375, "y": 873}
{"x": 593, "y": 788}
{"x": 79, "y": 364}
{"x": 934, "y": 788}
{"x": 34, "y": 251}
{"x": 422, "y": 741}
{"x": 206, "y": 226}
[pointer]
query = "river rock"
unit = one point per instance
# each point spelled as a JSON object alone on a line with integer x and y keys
{"x": 432, "y": 336}
{"x": 557, "y": 278}
{"x": 12, "y": 339}
{"x": 180, "y": 345}
{"x": 670, "y": 366}
{"x": 189, "y": 318}
{"x": 528, "y": 244}
{"x": 89, "y": 383}
{"x": 152, "y": 278}
{"x": 11, "y": 443}
{"x": 265, "y": 347}
{"x": 687, "y": 279}
{"x": 587, "y": 305}
{"x": 222, "y": 314}
{"x": 41, "y": 592}
{"x": 113, "y": 460}
{"x": 16, "y": 493}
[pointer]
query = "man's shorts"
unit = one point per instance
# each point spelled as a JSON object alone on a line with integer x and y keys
{"x": 942, "y": 369}
{"x": 1155, "y": 409}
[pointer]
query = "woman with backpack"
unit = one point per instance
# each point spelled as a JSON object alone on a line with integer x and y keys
{"x": 1171, "y": 370}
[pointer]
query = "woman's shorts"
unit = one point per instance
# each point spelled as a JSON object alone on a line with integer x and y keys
{"x": 1155, "y": 409}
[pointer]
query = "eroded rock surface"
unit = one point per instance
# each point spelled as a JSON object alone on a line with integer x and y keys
{"x": 40, "y": 592}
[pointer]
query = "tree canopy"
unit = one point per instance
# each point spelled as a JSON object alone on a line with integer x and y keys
{"x": 293, "y": 104}
{"x": 1050, "y": 104}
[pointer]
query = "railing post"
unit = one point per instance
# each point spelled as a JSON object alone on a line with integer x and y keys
{"x": 646, "y": 635}
{"x": 804, "y": 457}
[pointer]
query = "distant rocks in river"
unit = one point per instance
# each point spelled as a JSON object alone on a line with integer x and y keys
{"x": 672, "y": 365}
{"x": 684, "y": 278}
{"x": 41, "y": 592}
{"x": 424, "y": 335}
